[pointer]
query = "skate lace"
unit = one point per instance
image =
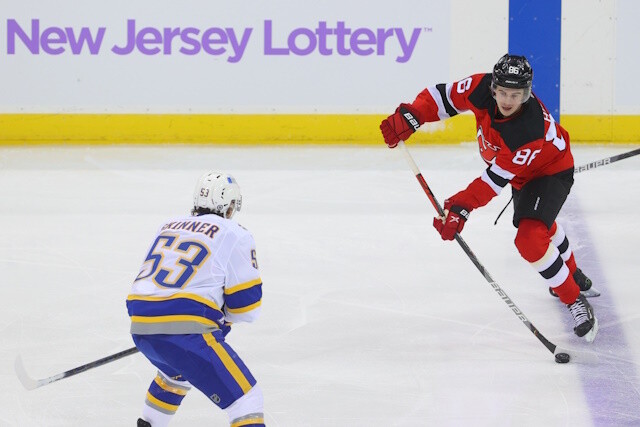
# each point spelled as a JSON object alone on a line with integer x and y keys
{"x": 579, "y": 313}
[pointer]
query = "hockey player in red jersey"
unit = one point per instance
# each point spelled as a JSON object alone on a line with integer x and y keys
{"x": 522, "y": 145}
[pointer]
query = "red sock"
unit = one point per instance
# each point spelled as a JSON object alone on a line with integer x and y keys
{"x": 571, "y": 263}
{"x": 568, "y": 291}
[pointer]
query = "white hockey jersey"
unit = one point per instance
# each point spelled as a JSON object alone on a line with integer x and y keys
{"x": 200, "y": 272}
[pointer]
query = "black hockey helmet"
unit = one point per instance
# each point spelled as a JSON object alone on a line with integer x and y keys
{"x": 514, "y": 72}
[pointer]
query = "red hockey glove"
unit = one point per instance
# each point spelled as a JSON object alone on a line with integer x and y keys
{"x": 455, "y": 217}
{"x": 400, "y": 125}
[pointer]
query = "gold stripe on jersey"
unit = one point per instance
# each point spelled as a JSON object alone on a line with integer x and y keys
{"x": 186, "y": 295}
{"x": 228, "y": 362}
{"x": 244, "y": 309}
{"x": 242, "y": 286}
{"x": 173, "y": 318}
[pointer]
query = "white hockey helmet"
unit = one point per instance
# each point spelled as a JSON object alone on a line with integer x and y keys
{"x": 217, "y": 193}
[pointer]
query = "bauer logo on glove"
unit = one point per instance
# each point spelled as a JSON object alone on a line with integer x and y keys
{"x": 412, "y": 121}
{"x": 400, "y": 125}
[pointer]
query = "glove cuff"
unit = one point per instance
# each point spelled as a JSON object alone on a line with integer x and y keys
{"x": 463, "y": 212}
{"x": 409, "y": 117}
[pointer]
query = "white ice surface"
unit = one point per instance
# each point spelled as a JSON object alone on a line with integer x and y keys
{"x": 369, "y": 319}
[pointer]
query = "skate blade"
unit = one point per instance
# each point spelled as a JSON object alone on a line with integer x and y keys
{"x": 591, "y": 335}
{"x": 591, "y": 293}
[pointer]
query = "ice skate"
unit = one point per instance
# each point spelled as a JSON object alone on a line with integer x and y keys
{"x": 143, "y": 423}
{"x": 585, "y": 284}
{"x": 586, "y": 324}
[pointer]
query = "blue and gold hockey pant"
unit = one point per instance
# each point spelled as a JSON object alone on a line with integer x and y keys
{"x": 207, "y": 363}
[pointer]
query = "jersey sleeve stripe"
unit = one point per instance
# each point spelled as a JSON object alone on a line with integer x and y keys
{"x": 243, "y": 298}
{"x": 496, "y": 182}
{"x": 444, "y": 91}
{"x": 242, "y": 286}
{"x": 449, "y": 87}
{"x": 497, "y": 179}
{"x": 244, "y": 309}
{"x": 435, "y": 94}
{"x": 501, "y": 173}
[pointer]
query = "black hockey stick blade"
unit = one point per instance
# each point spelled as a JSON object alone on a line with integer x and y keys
{"x": 30, "y": 383}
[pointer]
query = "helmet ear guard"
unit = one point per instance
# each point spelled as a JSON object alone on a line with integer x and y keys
{"x": 217, "y": 193}
{"x": 514, "y": 72}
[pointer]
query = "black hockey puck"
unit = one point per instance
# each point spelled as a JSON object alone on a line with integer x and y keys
{"x": 562, "y": 358}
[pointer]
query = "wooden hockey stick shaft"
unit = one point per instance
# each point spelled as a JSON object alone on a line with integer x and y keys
{"x": 503, "y": 295}
{"x": 29, "y": 383}
{"x": 588, "y": 166}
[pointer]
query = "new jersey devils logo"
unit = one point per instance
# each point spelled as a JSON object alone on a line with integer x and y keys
{"x": 488, "y": 151}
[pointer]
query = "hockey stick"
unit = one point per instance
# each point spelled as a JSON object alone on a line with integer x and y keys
{"x": 588, "y": 166}
{"x": 607, "y": 160}
{"x": 30, "y": 383}
{"x": 574, "y": 355}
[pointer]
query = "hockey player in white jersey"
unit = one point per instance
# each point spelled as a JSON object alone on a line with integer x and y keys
{"x": 199, "y": 277}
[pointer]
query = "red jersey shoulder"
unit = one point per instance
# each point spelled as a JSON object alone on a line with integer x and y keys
{"x": 470, "y": 92}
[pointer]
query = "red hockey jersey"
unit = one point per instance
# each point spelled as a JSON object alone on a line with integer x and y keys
{"x": 522, "y": 147}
